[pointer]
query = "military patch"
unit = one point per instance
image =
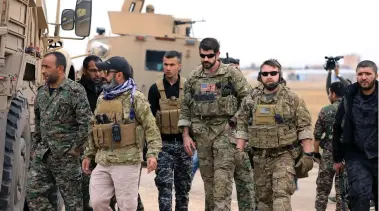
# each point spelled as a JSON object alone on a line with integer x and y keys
{"x": 264, "y": 110}
{"x": 207, "y": 87}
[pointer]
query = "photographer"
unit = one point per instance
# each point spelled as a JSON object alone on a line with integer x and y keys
{"x": 332, "y": 64}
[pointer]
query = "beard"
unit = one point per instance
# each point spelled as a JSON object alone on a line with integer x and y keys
{"x": 51, "y": 79}
{"x": 208, "y": 65}
{"x": 108, "y": 86}
{"x": 368, "y": 87}
{"x": 271, "y": 86}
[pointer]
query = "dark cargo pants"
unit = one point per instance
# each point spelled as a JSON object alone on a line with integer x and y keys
{"x": 362, "y": 175}
{"x": 174, "y": 167}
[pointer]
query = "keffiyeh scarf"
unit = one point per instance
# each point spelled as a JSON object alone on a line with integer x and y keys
{"x": 118, "y": 90}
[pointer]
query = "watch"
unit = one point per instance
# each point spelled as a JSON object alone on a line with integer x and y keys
{"x": 308, "y": 154}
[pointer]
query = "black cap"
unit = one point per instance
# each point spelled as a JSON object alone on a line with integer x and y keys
{"x": 117, "y": 63}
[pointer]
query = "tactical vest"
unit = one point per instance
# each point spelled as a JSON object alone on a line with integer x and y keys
{"x": 103, "y": 134}
{"x": 213, "y": 97}
{"x": 273, "y": 125}
{"x": 168, "y": 116}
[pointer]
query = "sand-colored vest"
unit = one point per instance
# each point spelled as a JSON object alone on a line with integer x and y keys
{"x": 168, "y": 115}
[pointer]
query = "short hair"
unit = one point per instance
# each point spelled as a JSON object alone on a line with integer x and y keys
{"x": 337, "y": 88}
{"x": 90, "y": 58}
{"x": 60, "y": 59}
{"x": 367, "y": 63}
{"x": 209, "y": 43}
{"x": 173, "y": 54}
{"x": 272, "y": 63}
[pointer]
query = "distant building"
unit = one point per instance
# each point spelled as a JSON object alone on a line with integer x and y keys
{"x": 351, "y": 60}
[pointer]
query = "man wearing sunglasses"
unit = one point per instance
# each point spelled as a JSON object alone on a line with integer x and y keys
{"x": 272, "y": 118}
{"x": 122, "y": 121}
{"x": 212, "y": 94}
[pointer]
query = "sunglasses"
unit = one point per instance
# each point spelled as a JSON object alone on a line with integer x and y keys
{"x": 106, "y": 72}
{"x": 207, "y": 55}
{"x": 272, "y": 73}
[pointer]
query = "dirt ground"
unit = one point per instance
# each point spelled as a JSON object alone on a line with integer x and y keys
{"x": 315, "y": 97}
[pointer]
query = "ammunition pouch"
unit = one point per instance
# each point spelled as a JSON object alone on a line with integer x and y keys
{"x": 168, "y": 116}
{"x": 269, "y": 130}
{"x": 209, "y": 105}
{"x": 102, "y": 135}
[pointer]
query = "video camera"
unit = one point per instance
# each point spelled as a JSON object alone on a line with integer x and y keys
{"x": 230, "y": 60}
{"x": 331, "y": 62}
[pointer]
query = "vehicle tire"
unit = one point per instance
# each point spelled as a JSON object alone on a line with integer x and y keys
{"x": 16, "y": 156}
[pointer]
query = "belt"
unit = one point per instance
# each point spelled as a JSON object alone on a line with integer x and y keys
{"x": 273, "y": 152}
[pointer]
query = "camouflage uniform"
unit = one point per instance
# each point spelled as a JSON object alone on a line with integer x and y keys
{"x": 273, "y": 123}
{"x": 210, "y": 100}
{"x": 62, "y": 125}
{"x": 323, "y": 132}
{"x": 146, "y": 129}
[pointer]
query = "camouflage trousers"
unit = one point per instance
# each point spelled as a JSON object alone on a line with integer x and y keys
{"x": 47, "y": 174}
{"x": 174, "y": 167}
{"x": 324, "y": 182}
{"x": 86, "y": 197}
{"x": 274, "y": 176}
{"x": 218, "y": 160}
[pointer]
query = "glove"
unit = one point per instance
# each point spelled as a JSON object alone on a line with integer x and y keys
{"x": 317, "y": 157}
{"x": 303, "y": 166}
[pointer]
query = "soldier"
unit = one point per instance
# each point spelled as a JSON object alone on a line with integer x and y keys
{"x": 122, "y": 112}
{"x": 212, "y": 94}
{"x": 323, "y": 134}
{"x": 174, "y": 165}
{"x": 62, "y": 118}
{"x": 356, "y": 122}
{"x": 273, "y": 118}
{"x": 245, "y": 190}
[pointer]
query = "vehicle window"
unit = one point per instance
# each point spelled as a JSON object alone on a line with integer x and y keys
{"x": 154, "y": 60}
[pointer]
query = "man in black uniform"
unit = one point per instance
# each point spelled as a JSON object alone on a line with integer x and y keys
{"x": 356, "y": 122}
{"x": 174, "y": 165}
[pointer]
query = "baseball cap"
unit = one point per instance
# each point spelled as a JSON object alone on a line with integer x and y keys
{"x": 117, "y": 63}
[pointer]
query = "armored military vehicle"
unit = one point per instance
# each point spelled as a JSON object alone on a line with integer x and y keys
{"x": 143, "y": 39}
{"x": 24, "y": 39}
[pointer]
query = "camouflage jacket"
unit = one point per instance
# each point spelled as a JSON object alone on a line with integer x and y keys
{"x": 130, "y": 154}
{"x": 62, "y": 119}
{"x": 297, "y": 112}
{"x": 210, "y": 127}
{"x": 323, "y": 131}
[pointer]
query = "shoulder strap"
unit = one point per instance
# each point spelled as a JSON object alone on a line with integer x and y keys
{"x": 181, "y": 86}
{"x": 161, "y": 89}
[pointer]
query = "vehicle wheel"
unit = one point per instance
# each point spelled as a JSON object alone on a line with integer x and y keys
{"x": 16, "y": 156}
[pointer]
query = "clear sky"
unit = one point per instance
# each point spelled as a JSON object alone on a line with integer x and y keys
{"x": 296, "y": 32}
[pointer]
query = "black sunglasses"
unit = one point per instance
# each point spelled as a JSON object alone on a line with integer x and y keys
{"x": 207, "y": 55}
{"x": 272, "y": 73}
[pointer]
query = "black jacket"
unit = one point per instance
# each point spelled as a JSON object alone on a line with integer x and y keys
{"x": 347, "y": 132}
{"x": 92, "y": 91}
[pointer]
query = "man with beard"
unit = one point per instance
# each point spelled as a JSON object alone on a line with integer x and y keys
{"x": 62, "y": 118}
{"x": 212, "y": 94}
{"x": 323, "y": 134}
{"x": 356, "y": 122}
{"x": 277, "y": 124}
{"x": 122, "y": 113}
{"x": 91, "y": 80}
{"x": 174, "y": 165}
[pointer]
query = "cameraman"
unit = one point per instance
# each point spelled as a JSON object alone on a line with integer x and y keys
{"x": 329, "y": 78}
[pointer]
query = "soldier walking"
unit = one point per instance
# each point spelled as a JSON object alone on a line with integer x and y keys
{"x": 212, "y": 94}
{"x": 323, "y": 134}
{"x": 174, "y": 165}
{"x": 116, "y": 140}
{"x": 62, "y": 118}
{"x": 273, "y": 118}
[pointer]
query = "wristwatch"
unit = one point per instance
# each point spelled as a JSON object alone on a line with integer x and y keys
{"x": 308, "y": 154}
